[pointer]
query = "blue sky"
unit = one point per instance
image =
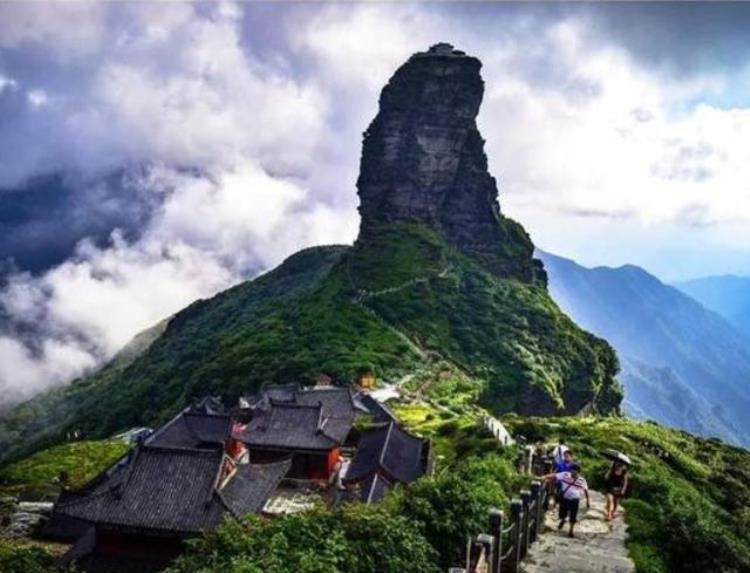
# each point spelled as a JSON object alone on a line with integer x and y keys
{"x": 154, "y": 154}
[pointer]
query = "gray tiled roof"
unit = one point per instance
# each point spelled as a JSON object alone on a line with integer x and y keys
{"x": 162, "y": 489}
{"x": 276, "y": 393}
{"x": 288, "y": 417}
{"x": 208, "y": 405}
{"x": 374, "y": 488}
{"x": 291, "y": 426}
{"x": 173, "y": 490}
{"x": 390, "y": 451}
{"x": 336, "y": 402}
{"x": 371, "y": 406}
{"x": 193, "y": 430}
{"x": 251, "y": 486}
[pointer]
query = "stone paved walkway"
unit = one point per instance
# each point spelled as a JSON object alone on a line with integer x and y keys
{"x": 599, "y": 547}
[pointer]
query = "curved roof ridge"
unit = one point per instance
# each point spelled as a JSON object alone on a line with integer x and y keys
{"x": 182, "y": 450}
{"x": 284, "y": 404}
{"x": 381, "y": 461}
{"x": 164, "y": 427}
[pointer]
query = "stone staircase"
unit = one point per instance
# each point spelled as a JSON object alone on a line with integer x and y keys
{"x": 599, "y": 546}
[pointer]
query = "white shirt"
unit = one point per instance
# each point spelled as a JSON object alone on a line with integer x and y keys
{"x": 572, "y": 488}
{"x": 559, "y": 452}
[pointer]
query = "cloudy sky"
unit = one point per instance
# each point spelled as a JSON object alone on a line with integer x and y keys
{"x": 151, "y": 154}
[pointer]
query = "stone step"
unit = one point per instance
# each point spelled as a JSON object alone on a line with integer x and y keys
{"x": 598, "y": 547}
{"x": 583, "y": 547}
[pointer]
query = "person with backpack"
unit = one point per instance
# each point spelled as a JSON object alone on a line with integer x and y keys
{"x": 573, "y": 487}
{"x": 559, "y": 451}
{"x": 563, "y": 465}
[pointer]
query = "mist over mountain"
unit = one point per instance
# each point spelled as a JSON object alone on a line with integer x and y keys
{"x": 728, "y": 295}
{"x": 682, "y": 364}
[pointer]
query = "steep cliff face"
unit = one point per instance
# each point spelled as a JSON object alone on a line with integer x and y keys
{"x": 423, "y": 161}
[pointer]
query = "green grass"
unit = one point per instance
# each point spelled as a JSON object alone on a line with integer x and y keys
{"x": 444, "y": 383}
{"x": 23, "y": 556}
{"x": 454, "y": 437}
{"x": 82, "y": 461}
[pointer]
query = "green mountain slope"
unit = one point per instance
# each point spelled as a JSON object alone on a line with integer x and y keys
{"x": 390, "y": 305}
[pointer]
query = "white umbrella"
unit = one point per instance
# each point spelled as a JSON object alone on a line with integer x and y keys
{"x": 616, "y": 456}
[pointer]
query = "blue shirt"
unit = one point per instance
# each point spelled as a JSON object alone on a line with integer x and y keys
{"x": 563, "y": 467}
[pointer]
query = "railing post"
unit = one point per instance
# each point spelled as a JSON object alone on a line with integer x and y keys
{"x": 516, "y": 516}
{"x": 536, "y": 495}
{"x": 541, "y": 506}
{"x": 496, "y": 530}
{"x": 487, "y": 544}
{"x": 547, "y": 485}
{"x": 530, "y": 459}
{"x": 525, "y": 500}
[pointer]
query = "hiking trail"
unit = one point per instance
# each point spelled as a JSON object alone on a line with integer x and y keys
{"x": 598, "y": 547}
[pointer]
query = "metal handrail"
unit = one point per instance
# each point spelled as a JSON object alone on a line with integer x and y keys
{"x": 528, "y": 519}
{"x": 507, "y": 554}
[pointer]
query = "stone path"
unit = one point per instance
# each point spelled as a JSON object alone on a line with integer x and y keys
{"x": 599, "y": 547}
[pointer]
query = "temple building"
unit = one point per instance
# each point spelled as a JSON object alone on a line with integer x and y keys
{"x": 155, "y": 498}
{"x": 311, "y": 426}
{"x": 387, "y": 456}
{"x": 281, "y": 451}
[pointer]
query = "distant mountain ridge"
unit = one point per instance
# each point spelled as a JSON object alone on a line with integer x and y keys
{"x": 682, "y": 364}
{"x": 728, "y": 295}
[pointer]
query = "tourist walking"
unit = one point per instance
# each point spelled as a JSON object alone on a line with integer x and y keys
{"x": 616, "y": 484}
{"x": 559, "y": 451}
{"x": 574, "y": 487}
{"x": 564, "y": 465}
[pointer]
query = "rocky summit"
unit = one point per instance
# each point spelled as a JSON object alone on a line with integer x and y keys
{"x": 423, "y": 161}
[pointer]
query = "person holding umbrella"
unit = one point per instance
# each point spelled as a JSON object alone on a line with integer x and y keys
{"x": 616, "y": 481}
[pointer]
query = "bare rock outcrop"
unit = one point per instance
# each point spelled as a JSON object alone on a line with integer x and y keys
{"x": 423, "y": 161}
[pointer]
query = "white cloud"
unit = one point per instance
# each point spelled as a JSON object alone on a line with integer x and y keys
{"x": 68, "y": 29}
{"x": 37, "y": 98}
{"x": 364, "y": 45}
{"x": 610, "y": 140}
{"x": 227, "y": 143}
{"x": 7, "y": 83}
{"x": 24, "y": 374}
{"x": 173, "y": 86}
{"x": 211, "y": 231}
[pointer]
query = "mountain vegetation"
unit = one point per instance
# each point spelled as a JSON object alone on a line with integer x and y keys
{"x": 682, "y": 365}
{"x": 314, "y": 315}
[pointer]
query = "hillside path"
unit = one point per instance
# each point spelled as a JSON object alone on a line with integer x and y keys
{"x": 599, "y": 547}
